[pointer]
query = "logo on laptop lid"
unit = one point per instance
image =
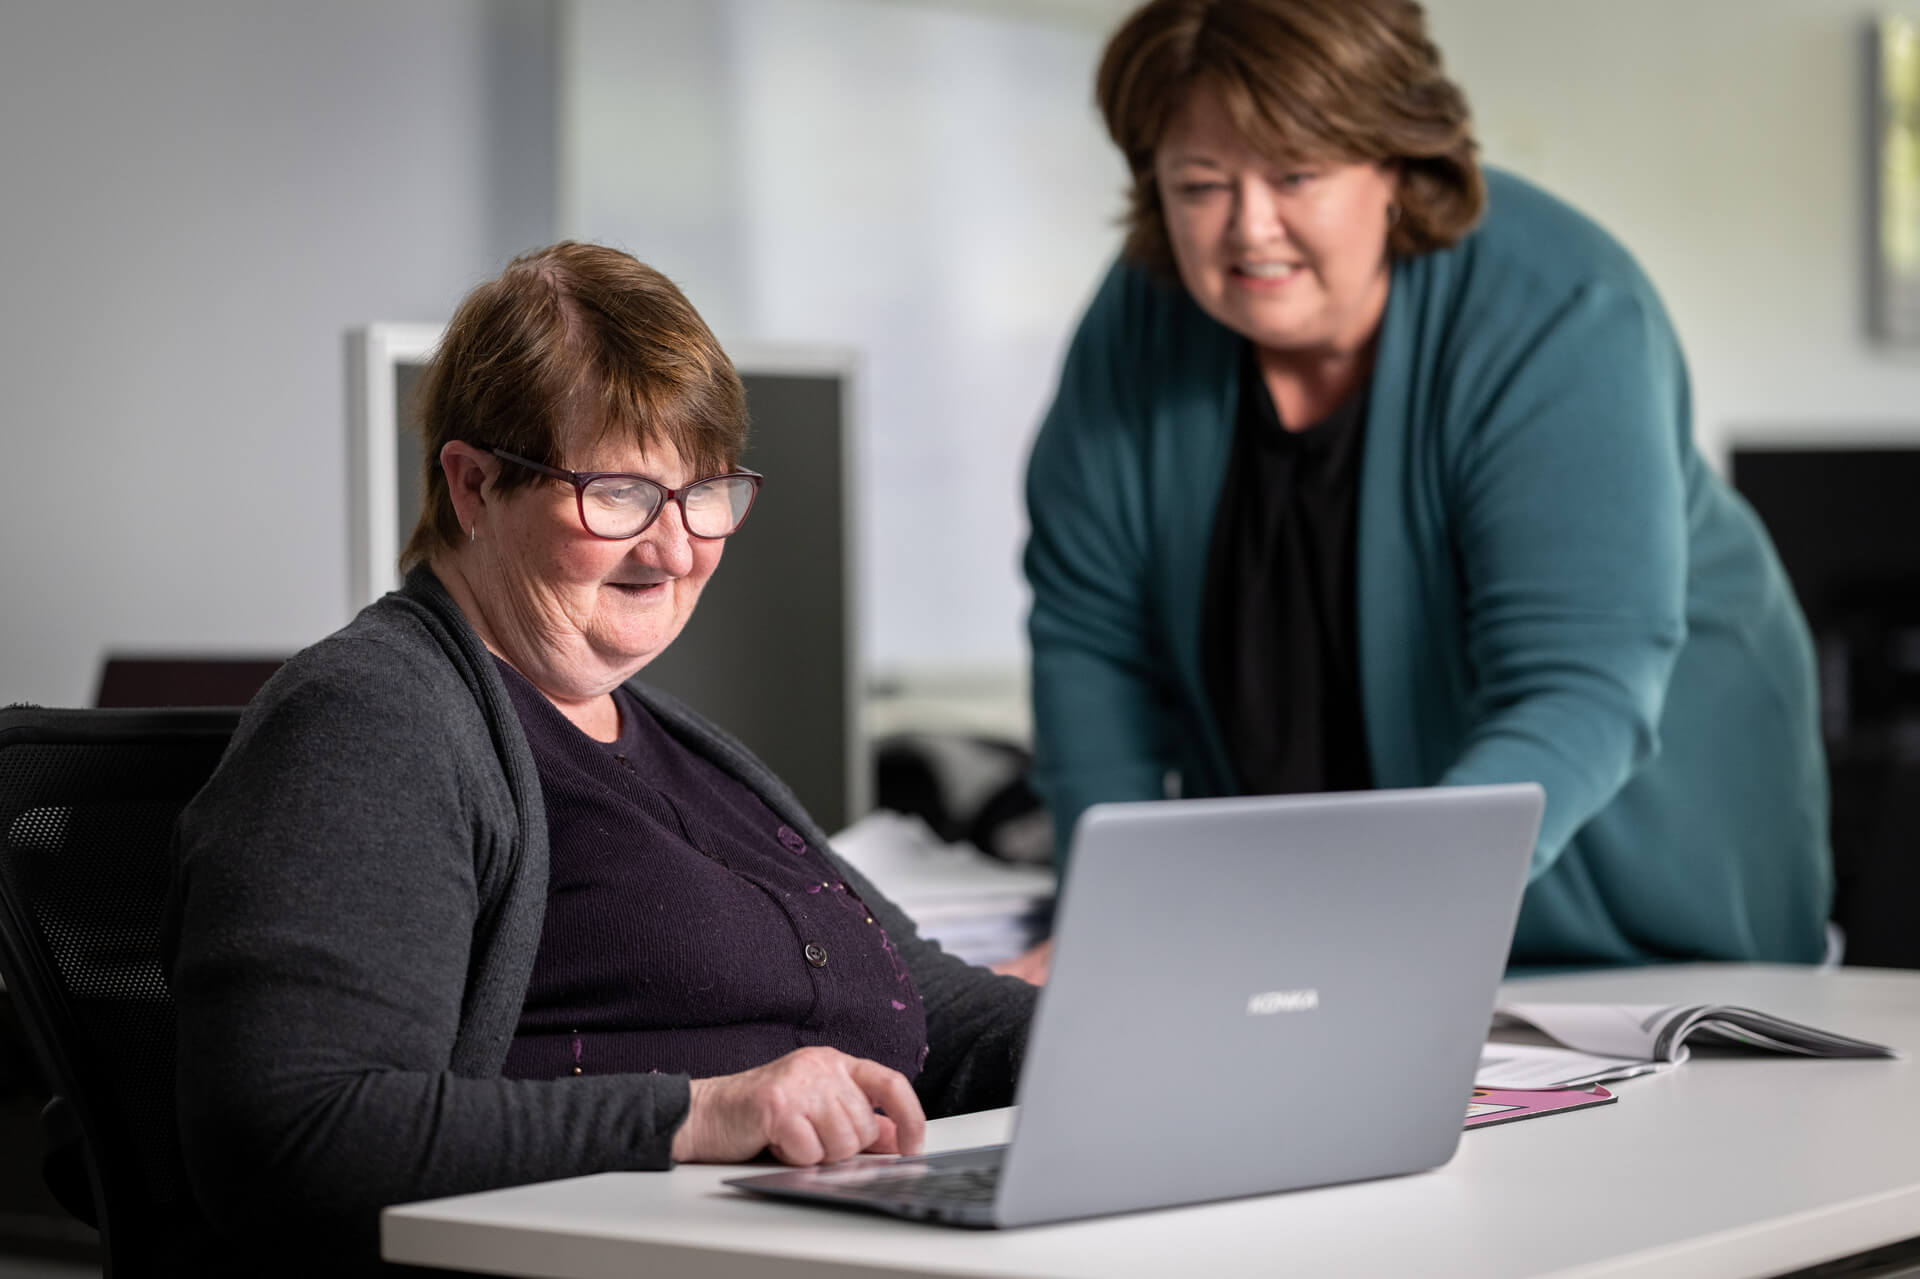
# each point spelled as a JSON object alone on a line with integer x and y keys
{"x": 1269, "y": 1002}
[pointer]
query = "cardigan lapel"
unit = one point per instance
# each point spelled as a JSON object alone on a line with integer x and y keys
{"x": 1408, "y": 588}
{"x": 1191, "y": 438}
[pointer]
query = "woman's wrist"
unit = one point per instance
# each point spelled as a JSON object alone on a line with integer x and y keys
{"x": 686, "y": 1138}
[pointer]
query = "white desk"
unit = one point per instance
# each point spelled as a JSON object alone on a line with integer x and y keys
{"x": 1748, "y": 1166}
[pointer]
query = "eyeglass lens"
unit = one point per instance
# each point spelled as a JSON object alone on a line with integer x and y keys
{"x": 616, "y": 506}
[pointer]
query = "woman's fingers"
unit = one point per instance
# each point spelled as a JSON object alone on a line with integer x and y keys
{"x": 839, "y": 1127}
{"x": 836, "y": 1125}
{"x": 889, "y": 1091}
{"x": 1030, "y": 967}
{"x": 794, "y": 1139}
{"x": 886, "y": 1139}
{"x": 815, "y": 1105}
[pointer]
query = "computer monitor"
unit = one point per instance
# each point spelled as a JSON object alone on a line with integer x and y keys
{"x": 1848, "y": 531}
{"x": 1843, "y": 519}
{"x": 772, "y": 653}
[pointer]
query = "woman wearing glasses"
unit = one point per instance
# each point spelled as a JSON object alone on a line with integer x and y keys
{"x": 1368, "y": 469}
{"x": 468, "y": 905}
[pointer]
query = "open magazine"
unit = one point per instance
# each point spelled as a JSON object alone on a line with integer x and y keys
{"x": 1592, "y": 1042}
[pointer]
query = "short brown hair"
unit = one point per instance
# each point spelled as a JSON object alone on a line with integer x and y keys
{"x": 572, "y": 332}
{"x": 1350, "y": 80}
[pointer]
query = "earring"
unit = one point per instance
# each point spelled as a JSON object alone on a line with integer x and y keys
{"x": 473, "y": 534}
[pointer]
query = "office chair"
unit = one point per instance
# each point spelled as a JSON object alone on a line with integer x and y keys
{"x": 87, "y": 804}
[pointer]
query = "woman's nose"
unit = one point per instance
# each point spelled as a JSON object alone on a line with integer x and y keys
{"x": 1256, "y": 214}
{"x": 665, "y": 545}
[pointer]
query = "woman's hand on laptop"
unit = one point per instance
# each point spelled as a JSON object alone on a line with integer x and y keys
{"x": 1032, "y": 966}
{"x": 812, "y": 1106}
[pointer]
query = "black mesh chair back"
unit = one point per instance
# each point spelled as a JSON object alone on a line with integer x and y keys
{"x": 87, "y": 805}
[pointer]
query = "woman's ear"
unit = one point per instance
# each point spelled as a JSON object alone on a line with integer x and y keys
{"x": 469, "y": 472}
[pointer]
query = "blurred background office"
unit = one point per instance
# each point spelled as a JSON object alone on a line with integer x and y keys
{"x": 203, "y": 196}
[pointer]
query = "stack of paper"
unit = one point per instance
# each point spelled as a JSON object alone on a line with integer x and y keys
{"x": 976, "y": 907}
{"x": 1618, "y": 1041}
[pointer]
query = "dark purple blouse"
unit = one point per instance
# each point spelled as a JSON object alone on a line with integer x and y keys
{"x": 688, "y": 929}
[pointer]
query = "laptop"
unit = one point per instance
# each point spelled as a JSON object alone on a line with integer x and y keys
{"x": 1248, "y": 995}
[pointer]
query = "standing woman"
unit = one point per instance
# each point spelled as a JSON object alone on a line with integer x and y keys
{"x": 1370, "y": 468}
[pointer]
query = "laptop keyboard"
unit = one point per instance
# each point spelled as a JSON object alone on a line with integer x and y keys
{"x": 967, "y": 1185}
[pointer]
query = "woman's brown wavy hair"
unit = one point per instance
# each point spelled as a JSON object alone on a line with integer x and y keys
{"x": 1343, "y": 80}
{"x": 573, "y": 332}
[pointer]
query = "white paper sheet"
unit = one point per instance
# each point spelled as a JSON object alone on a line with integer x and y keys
{"x": 1514, "y": 1065}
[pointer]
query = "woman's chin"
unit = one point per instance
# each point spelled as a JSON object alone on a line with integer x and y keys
{"x": 632, "y": 646}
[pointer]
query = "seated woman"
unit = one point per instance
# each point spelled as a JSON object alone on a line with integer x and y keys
{"x": 465, "y": 905}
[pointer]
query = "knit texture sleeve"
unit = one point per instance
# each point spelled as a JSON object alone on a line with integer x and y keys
{"x": 330, "y": 882}
{"x": 1099, "y": 720}
{"x": 1572, "y": 540}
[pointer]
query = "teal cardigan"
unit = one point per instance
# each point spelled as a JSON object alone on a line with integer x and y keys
{"x": 1551, "y": 587}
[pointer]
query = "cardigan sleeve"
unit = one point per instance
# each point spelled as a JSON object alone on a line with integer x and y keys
{"x": 1100, "y": 717}
{"x": 1572, "y": 539}
{"x": 329, "y": 883}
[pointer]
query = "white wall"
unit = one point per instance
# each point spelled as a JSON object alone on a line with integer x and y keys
{"x": 928, "y": 184}
{"x": 200, "y": 197}
{"x": 1721, "y": 140}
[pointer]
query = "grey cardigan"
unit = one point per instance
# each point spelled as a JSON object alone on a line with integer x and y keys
{"x": 357, "y": 901}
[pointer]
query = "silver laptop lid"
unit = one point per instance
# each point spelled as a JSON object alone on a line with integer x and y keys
{"x": 1259, "y": 994}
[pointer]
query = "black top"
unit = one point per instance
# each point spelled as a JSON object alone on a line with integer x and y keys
{"x": 1279, "y": 637}
{"x": 689, "y": 930}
